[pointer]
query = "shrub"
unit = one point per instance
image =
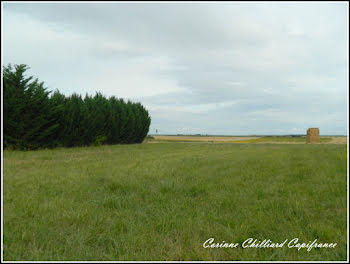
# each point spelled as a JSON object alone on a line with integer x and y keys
{"x": 100, "y": 140}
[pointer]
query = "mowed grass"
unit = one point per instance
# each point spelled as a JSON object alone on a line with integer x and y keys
{"x": 162, "y": 201}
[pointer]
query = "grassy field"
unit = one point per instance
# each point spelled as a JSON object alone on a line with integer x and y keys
{"x": 242, "y": 139}
{"x": 226, "y": 139}
{"x": 162, "y": 201}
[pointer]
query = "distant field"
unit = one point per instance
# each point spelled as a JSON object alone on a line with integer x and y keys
{"x": 282, "y": 140}
{"x": 162, "y": 201}
{"x": 202, "y": 138}
{"x": 243, "y": 139}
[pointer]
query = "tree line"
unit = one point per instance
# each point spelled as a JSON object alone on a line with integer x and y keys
{"x": 37, "y": 118}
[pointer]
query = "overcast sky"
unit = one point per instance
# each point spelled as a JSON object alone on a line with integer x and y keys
{"x": 209, "y": 68}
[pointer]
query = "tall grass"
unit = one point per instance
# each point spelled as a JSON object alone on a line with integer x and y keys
{"x": 162, "y": 201}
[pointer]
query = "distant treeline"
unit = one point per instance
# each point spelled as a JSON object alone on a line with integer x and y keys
{"x": 37, "y": 118}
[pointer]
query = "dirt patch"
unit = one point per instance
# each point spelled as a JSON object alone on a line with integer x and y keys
{"x": 338, "y": 140}
{"x": 334, "y": 140}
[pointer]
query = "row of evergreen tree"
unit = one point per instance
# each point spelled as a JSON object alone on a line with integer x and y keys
{"x": 37, "y": 118}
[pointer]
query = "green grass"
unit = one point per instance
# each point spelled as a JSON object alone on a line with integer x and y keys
{"x": 281, "y": 139}
{"x": 162, "y": 201}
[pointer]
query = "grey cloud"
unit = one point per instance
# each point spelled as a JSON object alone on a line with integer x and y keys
{"x": 239, "y": 67}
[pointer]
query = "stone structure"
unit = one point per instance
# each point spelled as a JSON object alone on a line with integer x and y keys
{"x": 313, "y": 135}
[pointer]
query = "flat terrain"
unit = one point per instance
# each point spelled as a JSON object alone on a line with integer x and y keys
{"x": 338, "y": 140}
{"x": 202, "y": 138}
{"x": 162, "y": 201}
{"x": 245, "y": 139}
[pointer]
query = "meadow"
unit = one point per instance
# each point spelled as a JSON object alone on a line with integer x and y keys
{"x": 243, "y": 139}
{"x": 163, "y": 201}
